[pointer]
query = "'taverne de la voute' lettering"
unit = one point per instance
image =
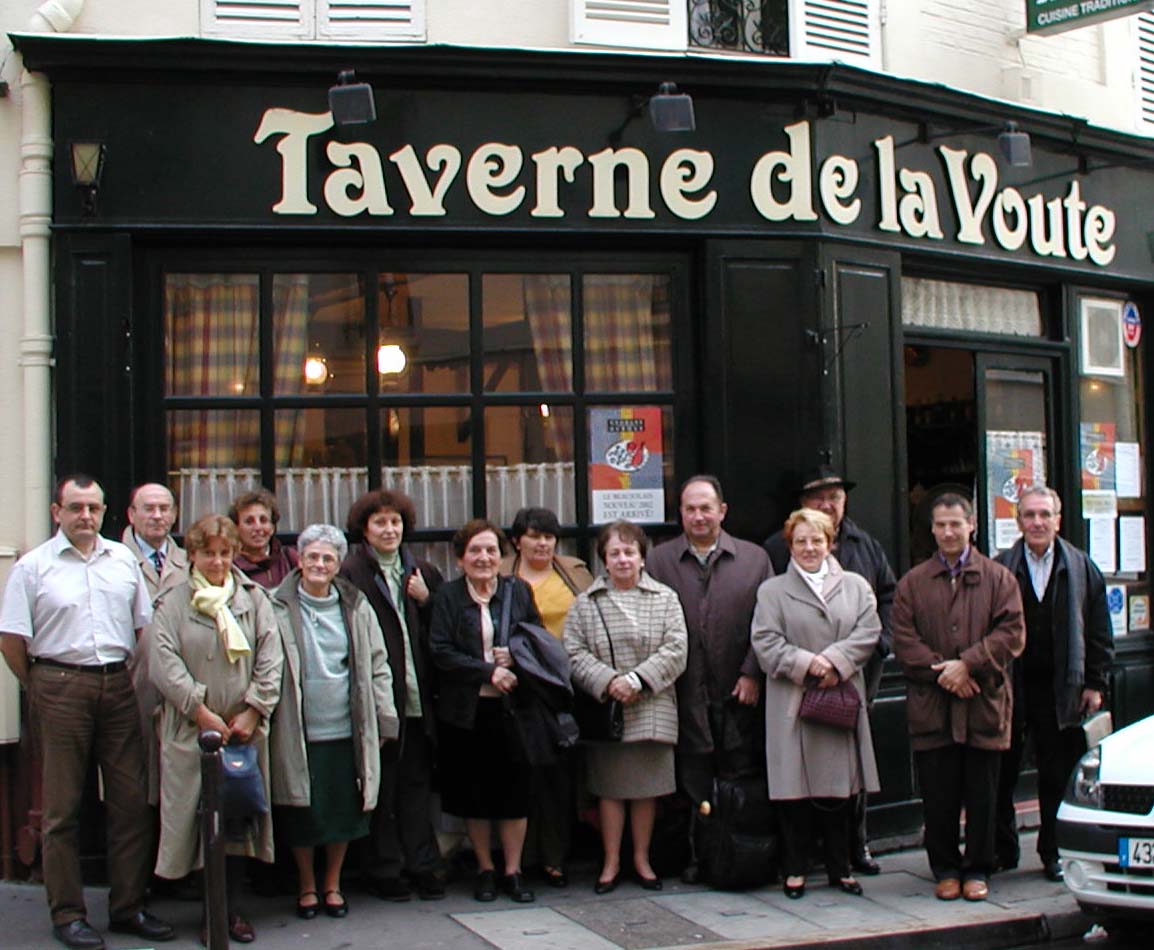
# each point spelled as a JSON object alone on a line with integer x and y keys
{"x": 498, "y": 179}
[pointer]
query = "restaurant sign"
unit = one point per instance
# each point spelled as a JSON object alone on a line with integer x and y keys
{"x": 1057, "y": 16}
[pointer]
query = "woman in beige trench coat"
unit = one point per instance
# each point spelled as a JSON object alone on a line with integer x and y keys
{"x": 815, "y": 625}
{"x": 216, "y": 658}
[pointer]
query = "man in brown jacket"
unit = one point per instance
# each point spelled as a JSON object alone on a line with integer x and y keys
{"x": 957, "y": 623}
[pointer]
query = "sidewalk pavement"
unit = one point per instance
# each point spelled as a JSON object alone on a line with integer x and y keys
{"x": 898, "y": 910}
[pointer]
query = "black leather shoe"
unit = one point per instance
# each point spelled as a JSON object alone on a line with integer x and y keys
{"x": 429, "y": 886}
{"x": 847, "y": 885}
{"x": 391, "y": 889}
{"x": 485, "y": 889}
{"x": 515, "y": 886}
{"x": 864, "y": 863}
{"x": 78, "y": 934}
{"x": 143, "y": 924}
{"x": 793, "y": 891}
{"x": 337, "y": 908}
{"x": 649, "y": 883}
{"x": 1052, "y": 870}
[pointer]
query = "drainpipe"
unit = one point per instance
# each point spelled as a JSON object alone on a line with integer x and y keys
{"x": 54, "y": 16}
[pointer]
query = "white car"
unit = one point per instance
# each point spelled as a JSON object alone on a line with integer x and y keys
{"x": 1106, "y": 828}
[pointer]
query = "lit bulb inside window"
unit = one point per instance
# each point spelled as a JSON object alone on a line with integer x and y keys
{"x": 316, "y": 370}
{"x": 391, "y": 359}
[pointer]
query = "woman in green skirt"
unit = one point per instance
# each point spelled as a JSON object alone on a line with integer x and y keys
{"x": 336, "y": 711}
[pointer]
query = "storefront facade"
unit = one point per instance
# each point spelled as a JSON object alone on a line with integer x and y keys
{"x": 463, "y": 298}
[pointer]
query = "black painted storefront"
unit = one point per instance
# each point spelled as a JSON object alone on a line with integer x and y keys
{"x": 789, "y": 342}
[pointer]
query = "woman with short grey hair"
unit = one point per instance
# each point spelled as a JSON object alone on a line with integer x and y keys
{"x": 337, "y": 711}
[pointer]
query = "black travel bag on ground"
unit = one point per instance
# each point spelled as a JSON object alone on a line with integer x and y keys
{"x": 736, "y": 837}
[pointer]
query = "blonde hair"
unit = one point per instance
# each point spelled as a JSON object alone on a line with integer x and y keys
{"x": 813, "y": 518}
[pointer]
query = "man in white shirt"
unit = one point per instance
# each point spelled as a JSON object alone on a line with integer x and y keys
{"x": 72, "y": 611}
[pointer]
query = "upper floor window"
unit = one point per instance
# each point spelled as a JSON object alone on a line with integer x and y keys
{"x": 1144, "y": 78}
{"x": 821, "y": 30}
{"x": 400, "y": 20}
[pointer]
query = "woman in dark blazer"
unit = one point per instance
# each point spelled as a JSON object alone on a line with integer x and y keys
{"x": 400, "y": 588}
{"x": 484, "y": 777}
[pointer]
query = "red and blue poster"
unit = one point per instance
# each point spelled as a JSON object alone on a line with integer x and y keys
{"x": 1098, "y": 456}
{"x": 626, "y": 476}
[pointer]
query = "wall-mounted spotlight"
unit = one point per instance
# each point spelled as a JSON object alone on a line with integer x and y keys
{"x": 1015, "y": 146}
{"x": 351, "y": 102}
{"x": 670, "y": 110}
{"x": 87, "y": 169}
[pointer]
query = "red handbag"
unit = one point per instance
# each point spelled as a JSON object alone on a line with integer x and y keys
{"x": 837, "y": 706}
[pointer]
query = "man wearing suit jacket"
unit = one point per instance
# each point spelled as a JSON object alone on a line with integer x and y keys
{"x": 164, "y": 564}
{"x": 1062, "y": 675}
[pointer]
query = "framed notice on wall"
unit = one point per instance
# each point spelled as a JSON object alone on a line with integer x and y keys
{"x": 1101, "y": 337}
{"x": 626, "y": 476}
{"x": 1014, "y": 460}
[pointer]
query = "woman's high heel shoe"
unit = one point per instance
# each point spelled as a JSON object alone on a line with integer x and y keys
{"x": 847, "y": 885}
{"x": 793, "y": 891}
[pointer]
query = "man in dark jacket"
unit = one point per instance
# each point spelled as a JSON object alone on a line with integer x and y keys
{"x": 957, "y": 624}
{"x": 825, "y": 490}
{"x": 716, "y": 577}
{"x": 1062, "y": 675}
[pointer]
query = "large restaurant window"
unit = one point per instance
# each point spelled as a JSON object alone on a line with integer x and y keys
{"x": 1112, "y": 455}
{"x": 473, "y": 389}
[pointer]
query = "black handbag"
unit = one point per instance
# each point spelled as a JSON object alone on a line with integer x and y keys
{"x": 599, "y": 721}
{"x": 241, "y": 783}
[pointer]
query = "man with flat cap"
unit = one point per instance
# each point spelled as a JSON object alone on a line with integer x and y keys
{"x": 825, "y": 489}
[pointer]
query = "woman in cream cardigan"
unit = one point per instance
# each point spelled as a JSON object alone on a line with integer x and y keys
{"x": 645, "y": 623}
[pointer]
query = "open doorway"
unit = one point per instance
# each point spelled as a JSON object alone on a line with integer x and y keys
{"x": 978, "y": 424}
{"x": 941, "y": 434}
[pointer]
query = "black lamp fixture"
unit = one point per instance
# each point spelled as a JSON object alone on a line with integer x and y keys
{"x": 1014, "y": 145}
{"x": 670, "y": 110}
{"x": 351, "y": 102}
{"x": 87, "y": 169}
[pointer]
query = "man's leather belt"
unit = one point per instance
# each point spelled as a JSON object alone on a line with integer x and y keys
{"x": 118, "y": 667}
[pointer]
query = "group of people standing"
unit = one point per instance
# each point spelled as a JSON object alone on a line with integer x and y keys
{"x": 363, "y": 680}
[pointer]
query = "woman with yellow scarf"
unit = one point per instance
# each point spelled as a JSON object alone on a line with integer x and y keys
{"x": 216, "y": 658}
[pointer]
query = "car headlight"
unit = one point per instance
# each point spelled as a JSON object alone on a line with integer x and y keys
{"x": 1085, "y": 789}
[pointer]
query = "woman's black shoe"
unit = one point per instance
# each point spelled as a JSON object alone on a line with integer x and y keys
{"x": 847, "y": 885}
{"x": 336, "y": 908}
{"x": 554, "y": 877}
{"x": 517, "y": 889}
{"x": 649, "y": 883}
{"x": 605, "y": 887}
{"x": 486, "y": 887}
{"x": 793, "y": 892}
{"x": 308, "y": 911}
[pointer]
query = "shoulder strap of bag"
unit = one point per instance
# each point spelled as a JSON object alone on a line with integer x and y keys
{"x": 502, "y": 637}
{"x": 601, "y": 614}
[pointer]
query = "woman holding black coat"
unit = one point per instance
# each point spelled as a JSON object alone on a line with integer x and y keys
{"x": 484, "y": 775}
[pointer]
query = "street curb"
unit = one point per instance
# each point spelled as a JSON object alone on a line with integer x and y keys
{"x": 998, "y": 934}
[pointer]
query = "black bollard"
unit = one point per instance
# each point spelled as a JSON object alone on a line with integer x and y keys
{"x": 212, "y": 841}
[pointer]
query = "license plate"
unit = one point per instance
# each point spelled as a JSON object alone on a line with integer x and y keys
{"x": 1136, "y": 852}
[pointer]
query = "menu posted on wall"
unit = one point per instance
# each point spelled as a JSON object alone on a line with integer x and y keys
{"x": 626, "y": 477}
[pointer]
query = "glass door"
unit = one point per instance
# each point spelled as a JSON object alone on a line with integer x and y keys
{"x": 1015, "y": 443}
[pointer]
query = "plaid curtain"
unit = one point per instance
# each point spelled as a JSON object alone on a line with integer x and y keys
{"x": 212, "y": 340}
{"x": 627, "y": 332}
{"x": 211, "y": 349}
{"x": 291, "y": 310}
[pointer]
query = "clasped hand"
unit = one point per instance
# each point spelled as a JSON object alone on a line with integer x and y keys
{"x": 823, "y": 671}
{"x": 503, "y": 676}
{"x": 240, "y": 727}
{"x": 622, "y": 690}
{"x": 954, "y": 677}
